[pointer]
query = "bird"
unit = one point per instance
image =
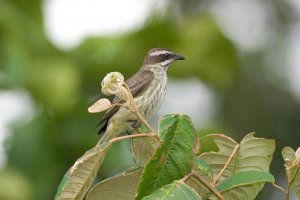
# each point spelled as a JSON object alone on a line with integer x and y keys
{"x": 148, "y": 88}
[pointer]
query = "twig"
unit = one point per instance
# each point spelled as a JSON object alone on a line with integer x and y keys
{"x": 184, "y": 179}
{"x": 196, "y": 145}
{"x": 287, "y": 193}
{"x": 210, "y": 188}
{"x": 280, "y": 188}
{"x": 226, "y": 164}
{"x": 136, "y": 111}
{"x": 154, "y": 135}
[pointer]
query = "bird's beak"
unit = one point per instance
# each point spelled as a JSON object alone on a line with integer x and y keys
{"x": 179, "y": 57}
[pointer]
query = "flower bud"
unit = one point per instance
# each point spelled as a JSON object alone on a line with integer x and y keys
{"x": 112, "y": 83}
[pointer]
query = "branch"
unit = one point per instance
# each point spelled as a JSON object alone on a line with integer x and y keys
{"x": 211, "y": 189}
{"x": 287, "y": 193}
{"x": 196, "y": 145}
{"x": 117, "y": 139}
{"x": 184, "y": 179}
{"x": 226, "y": 164}
{"x": 280, "y": 188}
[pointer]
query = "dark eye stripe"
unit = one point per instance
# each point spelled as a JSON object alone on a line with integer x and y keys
{"x": 162, "y": 57}
{"x": 166, "y": 55}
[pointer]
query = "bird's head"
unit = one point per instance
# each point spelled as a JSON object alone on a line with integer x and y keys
{"x": 161, "y": 57}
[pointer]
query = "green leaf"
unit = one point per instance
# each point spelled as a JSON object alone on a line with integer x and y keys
{"x": 173, "y": 159}
{"x": 245, "y": 178}
{"x": 167, "y": 122}
{"x": 253, "y": 154}
{"x": 202, "y": 166}
{"x": 122, "y": 186}
{"x": 81, "y": 175}
{"x": 244, "y": 185}
{"x": 292, "y": 168}
{"x": 143, "y": 148}
{"x": 174, "y": 191}
{"x": 198, "y": 186}
{"x": 203, "y": 170}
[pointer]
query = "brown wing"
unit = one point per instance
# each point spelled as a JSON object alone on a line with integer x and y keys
{"x": 137, "y": 83}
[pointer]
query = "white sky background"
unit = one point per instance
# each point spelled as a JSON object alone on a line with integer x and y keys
{"x": 68, "y": 22}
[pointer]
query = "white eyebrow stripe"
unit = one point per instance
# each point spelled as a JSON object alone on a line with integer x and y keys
{"x": 156, "y": 53}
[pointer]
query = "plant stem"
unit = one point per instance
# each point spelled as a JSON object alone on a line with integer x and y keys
{"x": 184, "y": 179}
{"x": 226, "y": 164}
{"x": 154, "y": 135}
{"x": 287, "y": 193}
{"x": 196, "y": 145}
{"x": 136, "y": 111}
{"x": 211, "y": 189}
{"x": 280, "y": 188}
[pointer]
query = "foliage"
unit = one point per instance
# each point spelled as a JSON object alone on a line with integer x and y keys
{"x": 176, "y": 170}
{"x": 171, "y": 160}
{"x": 81, "y": 176}
{"x": 122, "y": 186}
{"x": 251, "y": 88}
{"x": 177, "y": 191}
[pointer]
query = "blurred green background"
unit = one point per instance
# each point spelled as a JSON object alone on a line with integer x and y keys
{"x": 240, "y": 58}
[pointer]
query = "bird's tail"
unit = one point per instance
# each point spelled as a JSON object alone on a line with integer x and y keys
{"x": 111, "y": 132}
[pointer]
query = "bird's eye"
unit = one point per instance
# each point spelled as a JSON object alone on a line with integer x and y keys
{"x": 166, "y": 55}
